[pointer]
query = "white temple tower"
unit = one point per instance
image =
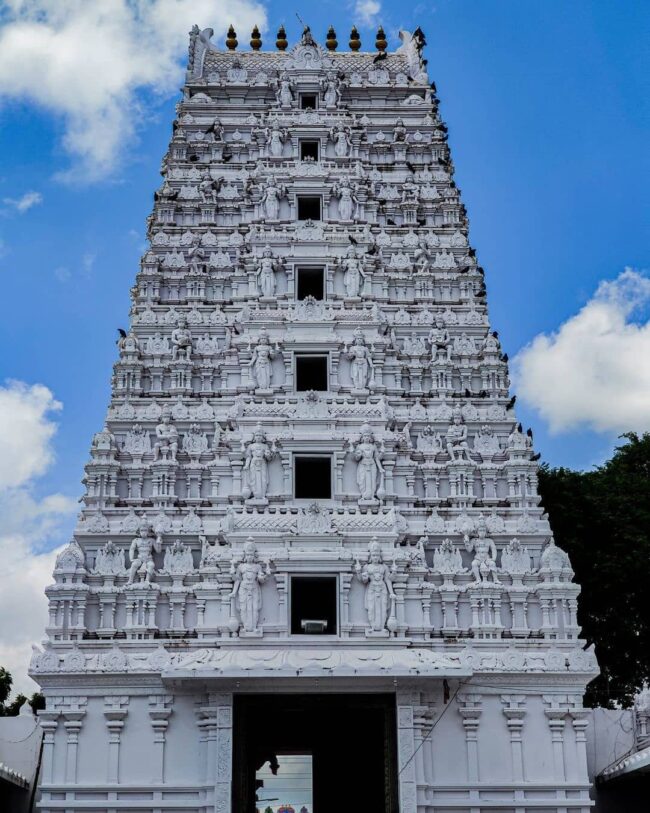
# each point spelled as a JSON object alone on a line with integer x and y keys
{"x": 311, "y": 540}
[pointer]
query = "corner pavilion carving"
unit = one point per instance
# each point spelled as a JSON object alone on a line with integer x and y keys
{"x": 310, "y": 387}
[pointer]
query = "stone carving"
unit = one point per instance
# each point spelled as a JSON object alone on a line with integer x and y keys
{"x": 109, "y": 560}
{"x": 275, "y": 138}
{"x": 137, "y": 442}
{"x": 314, "y": 519}
{"x": 456, "y": 437}
{"x": 249, "y": 574}
{"x": 340, "y": 137}
{"x": 261, "y": 362}
{"x": 370, "y": 471}
{"x": 195, "y": 442}
{"x": 141, "y": 554}
{"x": 380, "y": 595}
{"x": 331, "y": 85}
{"x": 166, "y": 445}
{"x": 353, "y": 274}
{"x": 284, "y": 91}
{"x": 70, "y": 558}
{"x": 178, "y": 559}
{"x": 429, "y": 441}
{"x": 181, "y": 339}
{"x": 486, "y": 442}
{"x": 265, "y": 273}
{"x": 485, "y": 554}
{"x": 257, "y": 455}
{"x": 554, "y": 563}
{"x": 361, "y": 368}
{"x": 348, "y": 203}
{"x": 447, "y": 559}
{"x": 272, "y": 194}
{"x": 515, "y": 559}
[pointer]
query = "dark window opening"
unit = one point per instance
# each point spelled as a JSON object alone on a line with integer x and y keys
{"x": 312, "y": 478}
{"x": 313, "y": 605}
{"x": 310, "y": 282}
{"x": 308, "y": 208}
{"x": 308, "y": 101}
{"x": 309, "y": 150}
{"x": 311, "y": 373}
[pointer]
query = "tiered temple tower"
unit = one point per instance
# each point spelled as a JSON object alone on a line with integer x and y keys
{"x": 311, "y": 522}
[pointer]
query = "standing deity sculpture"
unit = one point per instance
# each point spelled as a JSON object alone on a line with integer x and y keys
{"x": 456, "y": 437}
{"x": 370, "y": 471}
{"x": 348, "y": 201}
{"x": 249, "y": 574}
{"x": 265, "y": 274}
{"x": 272, "y": 194}
{"x": 275, "y": 138}
{"x": 141, "y": 554}
{"x": 410, "y": 193}
{"x": 399, "y": 132}
{"x": 209, "y": 188}
{"x": 261, "y": 362}
{"x": 361, "y": 368}
{"x": 331, "y": 86}
{"x": 196, "y": 258}
{"x": 340, "y": 137}
{"x": 379, "y": 598}
{"x": 353, "y": 273}
{"x": 181, "y": 341}
{"x": 166, "y": 445}
{"x": 440, "y": 341}
{"x": 284, "y": 91}
{"x": 482, "y": 546}
{"x": 258, "y": 453}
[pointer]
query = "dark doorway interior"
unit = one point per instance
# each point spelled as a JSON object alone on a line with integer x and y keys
{"x": 311, "y": 373}
{"x": 312, "y": 478}
{"x": 308, "y": 207}
{"x": 313, "y": 605}
{"x": 347, "y": 742}
{"x": 310, "y": 283}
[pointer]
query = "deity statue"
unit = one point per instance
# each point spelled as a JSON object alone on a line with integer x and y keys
{"x": 196, "y": 257}
{"x": 178, "y": 559}
{"x": 456, "y": 437}
{"x": 256, "y": 470}
{"x": 109, "y": 560}
{"x": 440, "y": 340}
{"x": 166, "y": 444}
{"x": 181, "y": 341}
{"x": 370, "y": 471}
{"x": 141, "y": 554}
{"x": 410, "y": 192}
{"x": 518, "y": 441}
{"x": 208, "y": 188}
{"x": 249, "y": 574}
{"x": 486, "y": 442}
{"x": 399, "y": 132}
{"x": 380, "y": 596}
{"x": 353, "y": 273}
{"x": 217, "y": 130}
{"x": 275, "y": 138}
{"x": 271, "y": 195}
{"x": 340, "y": 137}
{"x": 484, "y": 563}
{"x": 361, "y": 368}
{"x": 261, "y": 361}
{"x": 331, "y": 87}
{"x": 284, "y": 91}
{"x": 348, "y": 201}
{"x": 266, "y": 274}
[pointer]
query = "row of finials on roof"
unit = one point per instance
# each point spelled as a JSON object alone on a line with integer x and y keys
{"x": 282, "y": 43}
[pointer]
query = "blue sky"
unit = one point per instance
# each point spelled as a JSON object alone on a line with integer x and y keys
{"x": 547, "y": 105}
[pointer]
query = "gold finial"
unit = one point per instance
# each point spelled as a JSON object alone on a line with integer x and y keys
{"x": 330, "y": 40}
{"x": 281, "y": 41}
{"x": 256, "y": 39}
{"x": 381, "y": 43}
{"x": 231, "y": 39}
{"x": 355, "y": 39}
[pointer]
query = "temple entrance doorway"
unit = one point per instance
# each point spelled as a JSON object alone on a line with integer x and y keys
{"x": 315, "y": 753}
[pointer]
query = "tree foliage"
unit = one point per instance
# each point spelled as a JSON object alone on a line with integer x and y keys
{"x": 601, "y": 518}
{"x": 36, "y": 701}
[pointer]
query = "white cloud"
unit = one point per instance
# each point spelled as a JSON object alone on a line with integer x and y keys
{"x": 25, "y": 202}
{"x": 594, "y": 371}
{"x": 88, "y": 62}
{"x": 28, "y": 523}
{"x": 62, "y": 273}
{"x": 367, "y": 11}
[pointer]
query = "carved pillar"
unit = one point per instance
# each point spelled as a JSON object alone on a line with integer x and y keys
{"x": 515, "y": 712}
{"x": 73, "y": 715}
{"x": 49, "y": 721}
{"x": 470, "y": 710}
{"x": 159, "y": 711}
{"x": 222, "y": 793}
{"x": 556, "y": 720}
{"x": 406, "y": 751}
{"x": 580, "y": 723}
{"x": 115, "y": 710}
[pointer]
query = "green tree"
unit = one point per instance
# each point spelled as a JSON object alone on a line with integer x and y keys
{"x": 36, "y": 701}
{"x": 602, "y": 519}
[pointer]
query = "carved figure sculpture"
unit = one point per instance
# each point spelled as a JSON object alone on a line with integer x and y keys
{"x": 271, "y": 195}
{"x": 266, "y": 274}
{"x": 370, "y": 471}
{"x": 353, "y": 273}
{"x": 178, "y": 559}
{"x": 380, "y": 596}
{"x": 456, "y": 436}
{"x": 166, "y": 445}
{"x": 361, "y": 369}
{"x": 485, "y": 554}
{"x": 109, "y": 560}
{"x": 141, "y": 554}
{"x": 440, "y": 340}
{"x": 348, "y": 202}
{"x": 256, "y": 470}
{"x": 340, "y": 136}
{"x": 275, "y": 138}
{"x": 261, "y": 361}
{"x": 331, "y": 87}
{"x": 399, "y": 132}
{"x": 249, "y": 575}
{"x": 208, "y": 188}
{"x": 181, "y": 341}
{"x": 196, "y": 257}
{"x": 284, "y": 91}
